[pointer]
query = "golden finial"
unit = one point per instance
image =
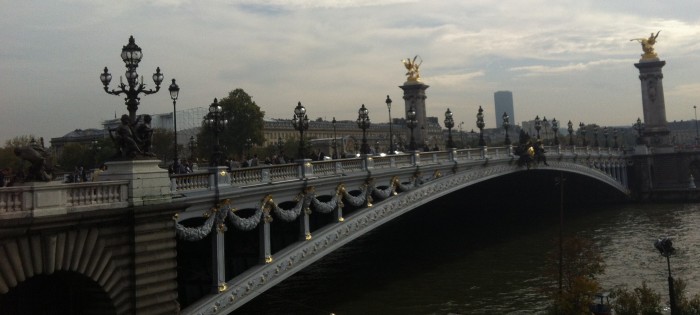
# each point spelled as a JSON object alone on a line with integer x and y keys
{"x": 413, "y": 74}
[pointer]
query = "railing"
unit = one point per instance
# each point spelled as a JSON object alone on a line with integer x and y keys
{"x": 38, "y": 199}
{"x": 267, "y": 174}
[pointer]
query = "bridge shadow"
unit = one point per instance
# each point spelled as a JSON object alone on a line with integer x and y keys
{"x": 429, "y": 237}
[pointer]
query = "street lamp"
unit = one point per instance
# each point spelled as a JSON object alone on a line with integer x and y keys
{"x": 335, "y": 145}
{"x": 538, "y": 125}
{"x": 131, "y": 55}
{"x": 605, "y": 134}
{"x": 449, "y": 123}
{"x": 300, "y": 121}
{"x": 95, "y": 148}
{"x": 570, "y": 129}
{"x": 216, "y": 122}
{"x": 363, "y": 123}
{"x": 545, "y": 124}
{"x": 665, "y": 247}
{"x": 595, "y": 136}
{"x": 639, "y": 126}
{"x": 174, "y": 91}
{"x": 192, "y": 145}
{"x": 506, "y": 125}
{"x": 411, "y": 123}
{"x": 480, "y": 125}
{"x": 582, "y": 128}
{"x": 391, "y": 133}
{"x": 248, "y": 146}
{"x": 615, "y": 137}
{"x": 280, "y": 145}
{"x": 555, "y": 130}
{"x": 697, "y": 131}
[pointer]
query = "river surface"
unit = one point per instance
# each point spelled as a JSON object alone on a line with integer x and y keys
{"x": 455, "y": 260}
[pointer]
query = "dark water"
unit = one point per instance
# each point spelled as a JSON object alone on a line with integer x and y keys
{"x": 462, "y": 257}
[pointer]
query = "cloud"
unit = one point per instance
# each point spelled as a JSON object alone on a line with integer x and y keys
{"x": 538, "y": 70}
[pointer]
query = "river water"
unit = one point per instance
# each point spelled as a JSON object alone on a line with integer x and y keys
{"x": 450, "y": 258}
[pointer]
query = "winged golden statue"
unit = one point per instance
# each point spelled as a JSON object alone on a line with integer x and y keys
{"x": 648, "y": 45}
{"x": 413, "y": 68}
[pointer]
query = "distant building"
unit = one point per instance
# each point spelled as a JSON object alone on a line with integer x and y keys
{"x": 503, "y": 101}
{"x": 78, "y": 136}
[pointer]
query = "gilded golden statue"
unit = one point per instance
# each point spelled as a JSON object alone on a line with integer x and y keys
{"x": 412, "y": 67}
{"x": 648, "y": 45}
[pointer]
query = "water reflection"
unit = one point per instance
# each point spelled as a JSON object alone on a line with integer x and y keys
{"x": 485, "y": 263}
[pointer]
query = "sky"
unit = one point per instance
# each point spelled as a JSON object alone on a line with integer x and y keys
{"x": 564, "y": 59}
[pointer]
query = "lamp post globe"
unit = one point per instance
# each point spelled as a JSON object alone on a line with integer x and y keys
{"x": 411, "y": 123}
{"x": 300, "y": 122}
{"x": 363, "y": 123}
{"x": 174, "y": 93}
{"x": 570, "y": 129}
{"x": 480, "y": 124}
{"x": 449, "y": 123}
{"x": 506, "y": 125}
{"x": 555, "y": 131}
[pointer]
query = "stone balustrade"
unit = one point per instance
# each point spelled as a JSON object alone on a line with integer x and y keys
{"x": 53, "y": 198}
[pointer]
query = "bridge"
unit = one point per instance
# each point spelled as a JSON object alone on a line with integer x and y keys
{"x": 139, "y": 241}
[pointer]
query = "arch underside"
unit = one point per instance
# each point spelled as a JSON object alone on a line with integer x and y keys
{"x": 79, "y": 251}
{"x": 327, "y": 239}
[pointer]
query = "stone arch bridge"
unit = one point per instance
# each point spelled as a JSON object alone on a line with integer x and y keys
{"x": 119, "y": 241}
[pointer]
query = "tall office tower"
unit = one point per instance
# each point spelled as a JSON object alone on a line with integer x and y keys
{"x": 504, "y": 104}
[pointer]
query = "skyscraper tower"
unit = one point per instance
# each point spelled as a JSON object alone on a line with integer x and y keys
{"x": 504, "y": 103}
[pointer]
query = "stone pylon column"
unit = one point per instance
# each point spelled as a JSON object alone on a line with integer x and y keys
{"x": 656, "y": 132}
{"x": 414, "y": 96}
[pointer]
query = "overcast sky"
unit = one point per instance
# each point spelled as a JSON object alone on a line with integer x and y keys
{"x": 569, "y": 60}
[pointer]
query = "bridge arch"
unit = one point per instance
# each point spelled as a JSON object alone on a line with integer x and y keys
{"x": 73, "y": 257}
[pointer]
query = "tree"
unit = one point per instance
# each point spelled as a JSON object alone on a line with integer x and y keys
{"x": 581, "y": 263}
{"x": 162, "y": 145}
{"x": 7, "y": 154}
{"x": 245, "y": 120}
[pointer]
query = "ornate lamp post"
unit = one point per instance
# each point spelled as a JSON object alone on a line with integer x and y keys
{"x": 605, "y": 135}
{"x": 300, "y": 122}
{"x": 174, "y": 91}
{"x": 461, "y": 134}
{"x": 639, "y": 126}
{"x": 570, "y": 129}
{"x": 449, "y": 123}
{"x": 506, "y": 125}
{"x": 280, "y": 145}
{"x": 248, "y": 145}
{"x": 95, "y": 148}
{"x": 545, "y": 124}
{"x": 391, "y": 133}
{"x": 665, "y": 247}
{"x": 581, "y": 127}
{"x": 697, "y": 131}
{"x": 363, "y": 123}
{"x": 131, "y": 55}
{"x": 555, "y": 131}
{"x": 480, "y": 125}
{"x": 192, "y": 145}
{"x": 595, "y": 136}
{"x": 335, "y": 144}
{"x": 216, "y": 122}
{"x": 615, "y": 138}
{"x": 538, "y": 126}
{"x": 411, "y": 123}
